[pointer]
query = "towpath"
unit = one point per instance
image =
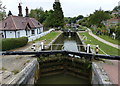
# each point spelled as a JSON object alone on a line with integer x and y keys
{"x": 102, "y": 40}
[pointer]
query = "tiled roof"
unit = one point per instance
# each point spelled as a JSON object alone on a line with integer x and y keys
{"x": 19, "y": 23}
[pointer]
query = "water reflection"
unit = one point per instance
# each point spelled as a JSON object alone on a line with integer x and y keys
{"x": 68, "y": 43}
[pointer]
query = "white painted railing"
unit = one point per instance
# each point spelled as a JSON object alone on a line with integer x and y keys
{"x": 32, "y": 38}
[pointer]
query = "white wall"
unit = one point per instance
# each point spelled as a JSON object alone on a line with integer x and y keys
{"x": 41, "y": 29}
{"x": 20, "y": 33}
{"x": 10, "y": 34}
{"x": 31, "y": 38}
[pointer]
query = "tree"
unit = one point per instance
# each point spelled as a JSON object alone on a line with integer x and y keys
{"x": 55, "y": 17}
{"x": 116, "y": 8}
{"x": 49, "y": 19}
{"x": 58, "y": 17}
{"x": 38, "y": 14}
{"x": 80, "y": 17}
{"x": 97, "y": 17}
{"x": 2, "y": 11}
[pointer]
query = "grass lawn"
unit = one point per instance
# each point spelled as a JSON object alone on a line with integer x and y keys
{"x": 106, "y": 48}
{"x": 49, "y": 37}
{"x": 109, "y": 39}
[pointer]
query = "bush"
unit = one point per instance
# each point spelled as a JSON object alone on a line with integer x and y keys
{"x": 12, "y": 43}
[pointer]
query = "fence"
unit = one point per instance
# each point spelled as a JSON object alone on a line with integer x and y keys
{"x": 32, "y": 38}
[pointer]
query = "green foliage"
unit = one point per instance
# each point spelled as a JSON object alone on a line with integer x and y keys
{"x": 49, "y": 37}
{"x": 2, "y": 11}
{"x": 55, "y": 19}
{"x": 70, "y": 20}
{"x": 38, "y": 14}
{"x": 106, "y": 48}
{"x": 116, "y": 8}
{"x": 12, "y": 43}
{"x": 97, "y": 17}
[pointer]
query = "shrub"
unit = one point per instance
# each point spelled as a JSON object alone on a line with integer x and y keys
{"x": 12, "y": 43}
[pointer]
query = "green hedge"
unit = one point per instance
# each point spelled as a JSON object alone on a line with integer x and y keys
{"x": 12, "y": 43}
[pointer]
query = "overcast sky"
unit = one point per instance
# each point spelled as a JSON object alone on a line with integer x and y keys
{"x": 70, "y": 8}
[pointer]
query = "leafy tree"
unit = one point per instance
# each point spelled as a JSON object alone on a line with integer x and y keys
{"x": 116, "y": 8}
{"x": 80, "y": 17}
{"x": 55, "y": 17}
{"x": 2, "y": 11}
{"x": 49, "y": 19}
{"x": 97, "y": 17}
{"x": 58, "y": 17}
{"x": 38, "y": 14}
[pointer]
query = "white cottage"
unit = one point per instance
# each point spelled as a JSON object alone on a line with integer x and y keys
{"x": 19, "y": 26}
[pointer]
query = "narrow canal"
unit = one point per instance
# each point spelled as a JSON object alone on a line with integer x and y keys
{"x": 58, "y": 69}
{"x": 69, "y": 42}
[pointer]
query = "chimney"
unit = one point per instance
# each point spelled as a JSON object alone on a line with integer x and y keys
{"x": 20, "y": 10}
{"x": 26, "y": 12}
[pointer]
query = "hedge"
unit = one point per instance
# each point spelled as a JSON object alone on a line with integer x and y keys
{"x": 12, "y": 43}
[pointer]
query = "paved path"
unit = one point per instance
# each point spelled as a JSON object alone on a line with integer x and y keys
{"x": 113, "y": 70}
{"x": 104, "y": 41}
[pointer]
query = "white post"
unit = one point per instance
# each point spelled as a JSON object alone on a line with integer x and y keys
{"x": 88, "y": 48}
{"x": 42, "y": 45}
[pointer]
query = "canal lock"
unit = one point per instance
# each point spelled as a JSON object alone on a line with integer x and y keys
{"x": 52, "y": 65}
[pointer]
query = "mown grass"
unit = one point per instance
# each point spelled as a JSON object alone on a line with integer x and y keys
{"x": 48, "y": 38}
{"x": 106, "y": 48}
{"x": 109, "y": 39}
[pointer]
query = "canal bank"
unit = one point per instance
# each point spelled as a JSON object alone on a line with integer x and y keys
{"x": 60, "y": 64}
{"x": 57, "y": 68}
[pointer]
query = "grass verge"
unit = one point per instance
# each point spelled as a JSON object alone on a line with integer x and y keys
{"x": 106, "y": 48}
{"x": 109, "y": 39}
{"x": 48, "y": 38}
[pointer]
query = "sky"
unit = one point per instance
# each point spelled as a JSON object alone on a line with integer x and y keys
{"x": 71, "y": 8}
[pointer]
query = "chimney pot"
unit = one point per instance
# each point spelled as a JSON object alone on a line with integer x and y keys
{"x": 20, "y": 10}
{"x": 27, "y": 11}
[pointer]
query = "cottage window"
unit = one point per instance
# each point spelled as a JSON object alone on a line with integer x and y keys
{"x": 33, "y": 32}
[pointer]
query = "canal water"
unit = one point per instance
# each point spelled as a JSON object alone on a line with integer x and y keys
{"x": 64, "y": 70}
{"x": 68, "y": 42}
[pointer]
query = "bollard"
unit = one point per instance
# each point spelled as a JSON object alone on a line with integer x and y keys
{"x": 97, "y": 49}
{"x": 88, "y": 48}
{"x": 42, "y": 45}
